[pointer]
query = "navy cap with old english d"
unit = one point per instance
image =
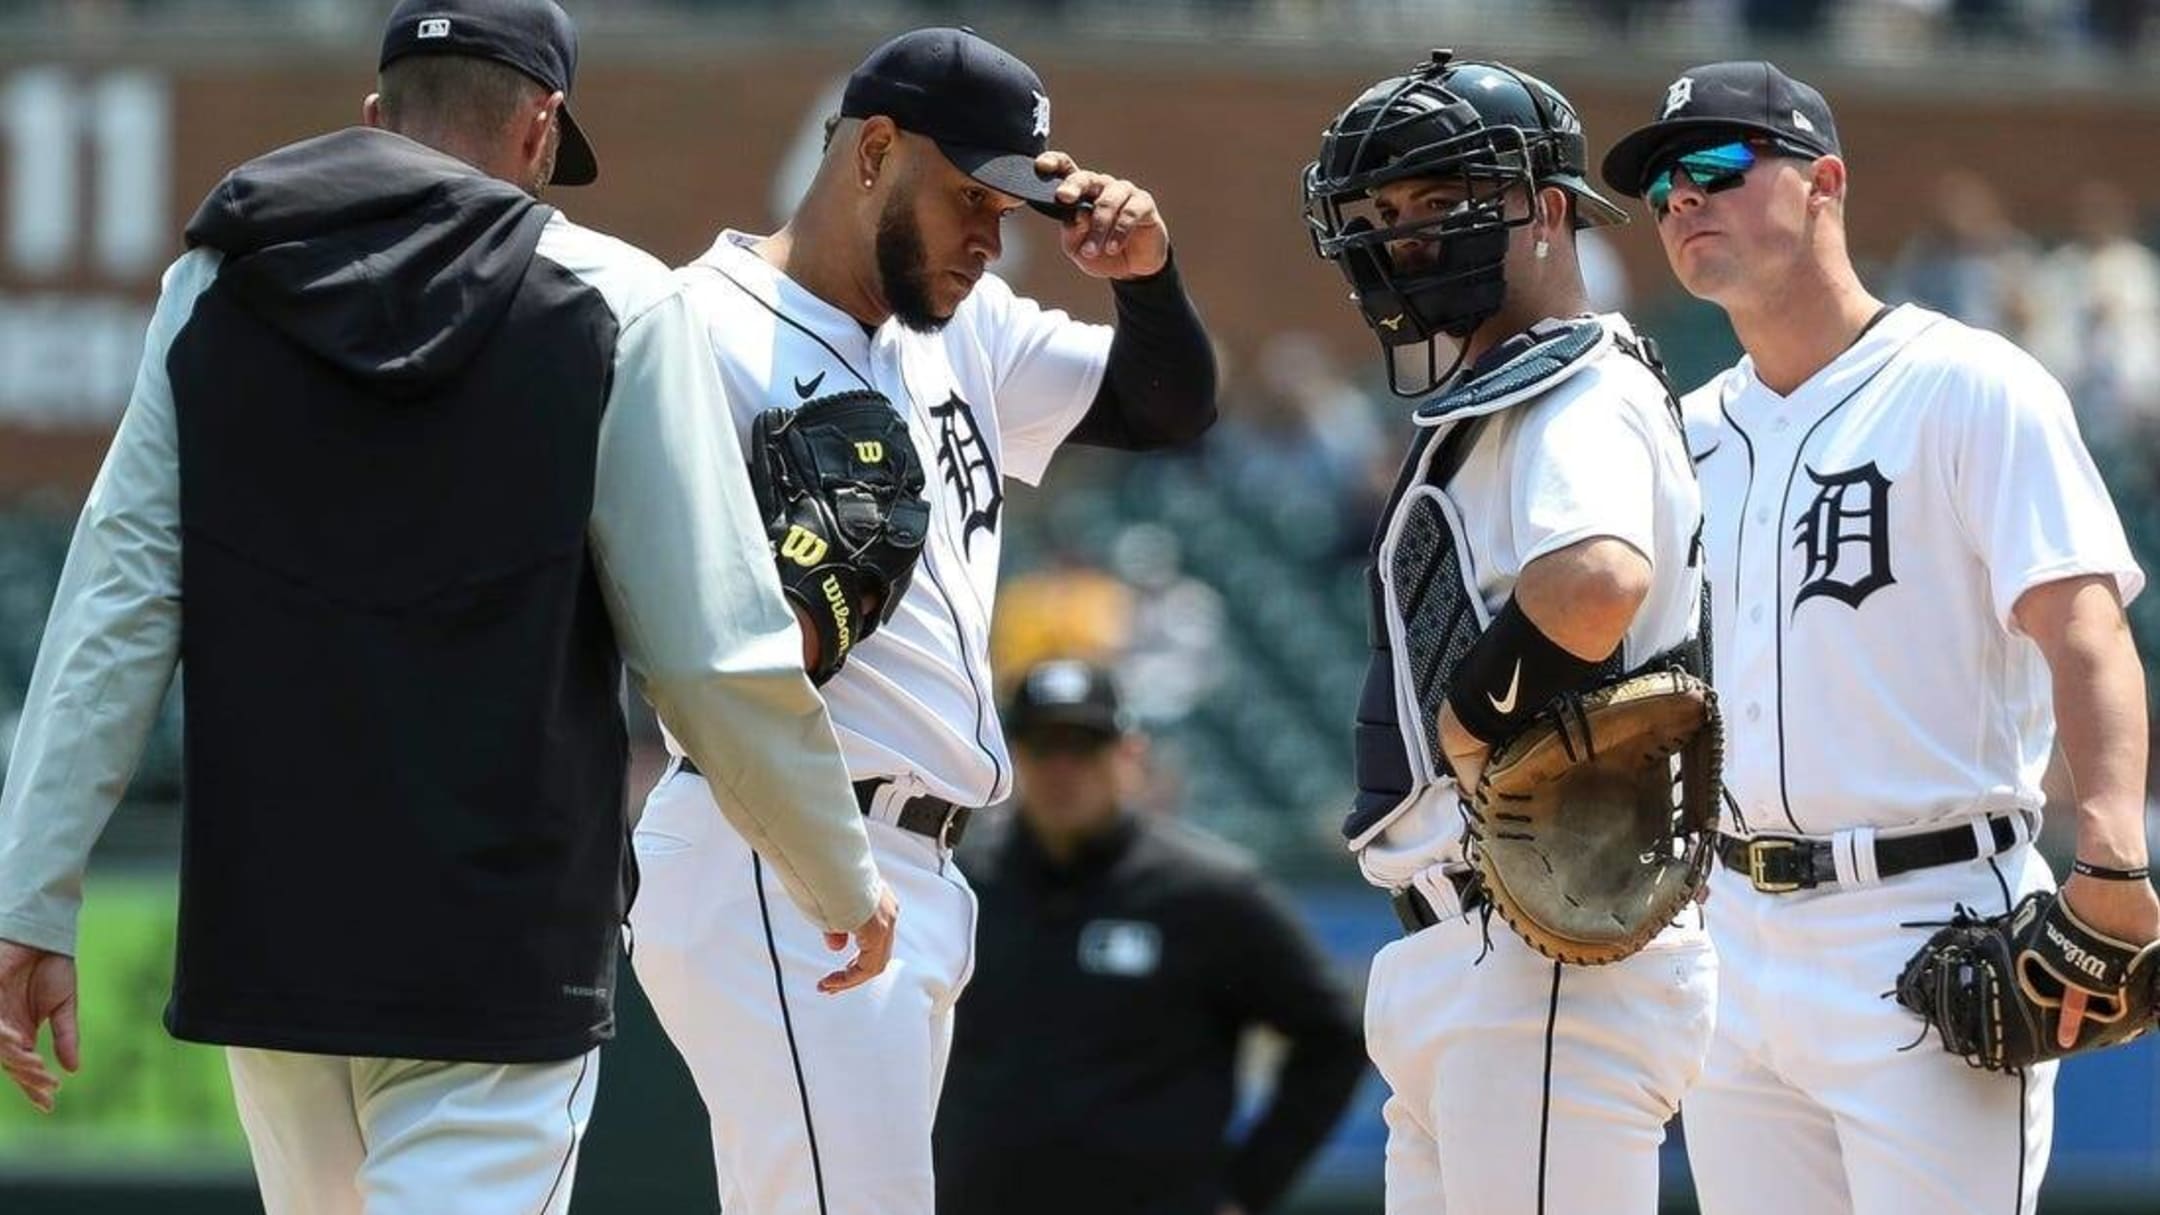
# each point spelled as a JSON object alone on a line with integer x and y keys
{"x": 985, "y": 109}
{"x": 1742, "y": 97}
{"x": 534, "y": 36}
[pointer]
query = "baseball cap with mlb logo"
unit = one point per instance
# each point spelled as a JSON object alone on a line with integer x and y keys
{"x": 1724, "y": 99}
{"x": 984, "y": 108}
{"x": 1064, "y": 695}
{"x": 534, "y": 36}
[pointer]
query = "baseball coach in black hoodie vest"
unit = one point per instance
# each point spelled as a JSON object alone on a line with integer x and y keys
{"x": 412, "y": 468}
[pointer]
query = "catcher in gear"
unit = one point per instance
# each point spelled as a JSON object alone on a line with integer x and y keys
{"x": 1534, "y": 736}
{"x": 840, "y": 488}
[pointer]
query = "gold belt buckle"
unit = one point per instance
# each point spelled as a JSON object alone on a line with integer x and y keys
{"x": 1758, "y": 861}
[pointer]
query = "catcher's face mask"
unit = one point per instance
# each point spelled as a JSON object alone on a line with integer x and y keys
{"x": 1427, "y": 274}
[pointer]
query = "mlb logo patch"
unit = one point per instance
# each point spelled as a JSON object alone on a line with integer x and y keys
{"x": 435, "y": 27}
{"x": 1125, "y": 948}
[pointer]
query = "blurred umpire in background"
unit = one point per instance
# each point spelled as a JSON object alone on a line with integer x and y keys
{"x": 436, "y": 462}
{"x": 1120, "y": 962}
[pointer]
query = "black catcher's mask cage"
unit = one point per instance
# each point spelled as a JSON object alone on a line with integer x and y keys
{"x": 1444, "y": 274}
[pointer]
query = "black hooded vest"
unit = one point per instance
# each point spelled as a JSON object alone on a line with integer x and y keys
{"x": 405, "y": 756}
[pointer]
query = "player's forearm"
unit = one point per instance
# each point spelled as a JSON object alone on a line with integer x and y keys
{"x": 2099, "y": 689}
{"x": 102, "y": 671}
{"x": 1158, "y": 385}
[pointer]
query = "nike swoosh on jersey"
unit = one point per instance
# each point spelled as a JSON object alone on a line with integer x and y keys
{"x": 804, "y": 390}
{"x": 1514, "y": 682}
{"x": 1706, "y": 454}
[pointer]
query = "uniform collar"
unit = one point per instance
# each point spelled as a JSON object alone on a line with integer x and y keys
{"x": 1838, "y": 378}
{"x": 732, "y": 254}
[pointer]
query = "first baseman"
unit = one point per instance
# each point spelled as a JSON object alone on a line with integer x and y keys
{"x": 1918, "y": 584}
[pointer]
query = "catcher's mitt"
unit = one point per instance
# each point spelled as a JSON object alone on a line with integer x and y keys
{"x": 1593, "y": 827}
{"x": 841, "y": 491}
{"x": 1995, "y": 988}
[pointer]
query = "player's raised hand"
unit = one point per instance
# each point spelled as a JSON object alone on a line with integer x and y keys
{"x": 1117, "y": 233}
{"x": 873, "y": 946}
{"x": 36, "y": 987}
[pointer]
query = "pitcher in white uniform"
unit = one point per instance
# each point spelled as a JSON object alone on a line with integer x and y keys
{"x": 823, "y": 1104}
{"x": 1918, "y": 584}
{"x": 1548, "y": 501}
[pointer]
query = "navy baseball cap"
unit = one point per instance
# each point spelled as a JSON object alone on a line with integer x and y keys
{"x": 985, "y": 109}
{"x": 1065, "y": 693}
{"x": 533, "y": 36}
{"x": 1751, "y": 97}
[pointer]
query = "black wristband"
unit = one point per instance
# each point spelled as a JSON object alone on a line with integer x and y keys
{"x": 1513, "y": 671}
{"x": 2109, "y": 874}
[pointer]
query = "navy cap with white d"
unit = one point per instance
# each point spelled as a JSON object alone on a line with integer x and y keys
{"x": 534, "y": 36}
{"x": 1744, "y": 97}
{"x": 986, "y": 110}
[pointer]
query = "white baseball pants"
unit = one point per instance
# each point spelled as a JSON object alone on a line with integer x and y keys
{"x": 337, "y": 1135}
{"x": 1523, "y": 1087}
{"x": 1811, "y": 1104}
{"x": 820, "y": 1105}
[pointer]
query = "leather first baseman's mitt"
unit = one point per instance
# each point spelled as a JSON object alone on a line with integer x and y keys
{"x": 1998, "y": 989}
{"x": 841, "y": 491}
{"x": 1592, "y": 828}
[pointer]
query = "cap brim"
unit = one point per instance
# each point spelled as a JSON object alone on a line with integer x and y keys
{"x": 1625, "y": 166}
{"x": 1088, "y": 719}
{"x": 1592, "y": 209}
{"x": 1009, "y": 173}
{"x": 574, "y": 163}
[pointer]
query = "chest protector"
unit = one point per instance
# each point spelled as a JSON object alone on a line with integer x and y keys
{"x": 1425, "y": 612}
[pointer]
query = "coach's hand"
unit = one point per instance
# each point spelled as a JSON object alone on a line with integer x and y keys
{"x": 36, "y": 987}
{"x": 873, "y": 946}
{"x": 1117, "y": 232}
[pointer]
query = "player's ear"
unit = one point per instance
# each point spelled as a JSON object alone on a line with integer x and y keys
{"x": 1552, "y": 211}
{"x": 1827, "y": 182}
{"x": 875, "y": 146}
{"x": 371, "y": 114}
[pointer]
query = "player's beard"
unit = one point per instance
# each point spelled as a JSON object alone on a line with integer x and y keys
{"x": 903, "y": 267}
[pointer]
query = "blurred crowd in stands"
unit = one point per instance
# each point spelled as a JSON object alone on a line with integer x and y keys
{"x": 2104, "y": 25}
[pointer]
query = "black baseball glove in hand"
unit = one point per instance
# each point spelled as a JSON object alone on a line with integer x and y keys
{"x": 2034, "y": 984}
{"x": 841, "y": 491}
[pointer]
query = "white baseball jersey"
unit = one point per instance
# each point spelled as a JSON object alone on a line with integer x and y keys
{"x": 1869, "y": 536}
{"x": 825, "y": 1103}
{"x": 989, "y": 397}
{"x": 1599, "y": 455}
{"x": 1576, "y": 1069}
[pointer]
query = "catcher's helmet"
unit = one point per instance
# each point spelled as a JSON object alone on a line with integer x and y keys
{"x": 1475, "y": 121}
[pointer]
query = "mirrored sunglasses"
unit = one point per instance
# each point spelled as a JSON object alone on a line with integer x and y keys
{"x": 1711, "y": 169}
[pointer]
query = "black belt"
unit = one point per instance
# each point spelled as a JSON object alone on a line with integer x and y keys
{"x": 934, "y": 817}
{"x": 1780, "y": 864}
{"x": 1416, "y": 911}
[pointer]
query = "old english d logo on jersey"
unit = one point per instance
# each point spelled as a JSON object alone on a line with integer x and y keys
{"x": 1845, "y": 536}
{"x": 969, "y": 473}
